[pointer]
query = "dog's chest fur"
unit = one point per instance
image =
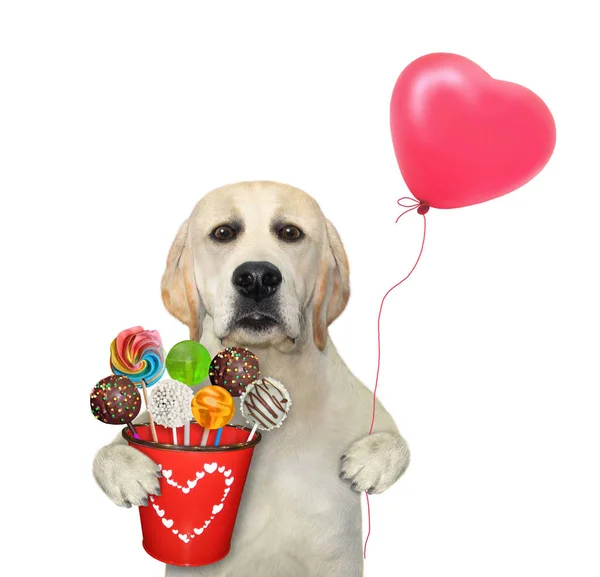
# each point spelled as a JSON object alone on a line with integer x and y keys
{"x": 295, "y": 472}
{"x": 294, "y": 499}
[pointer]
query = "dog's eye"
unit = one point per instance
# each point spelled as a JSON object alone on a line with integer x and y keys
{"x": 224, "y": 233}
{"x": 290, "y": 233}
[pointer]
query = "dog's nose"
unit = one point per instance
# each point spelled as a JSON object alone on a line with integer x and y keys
{"x": 256, "y": 280}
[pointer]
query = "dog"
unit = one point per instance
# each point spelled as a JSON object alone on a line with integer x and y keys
{"x": 258, "y": 265}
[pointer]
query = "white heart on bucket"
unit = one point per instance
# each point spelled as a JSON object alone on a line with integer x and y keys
{"x": 191, "y": 484}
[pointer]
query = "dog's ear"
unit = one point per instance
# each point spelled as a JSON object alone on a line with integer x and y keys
{"x": 332, "y": 290}
{"x": 179, "y": 291}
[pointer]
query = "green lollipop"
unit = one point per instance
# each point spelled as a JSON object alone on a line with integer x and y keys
{"x": 188, "y": 362}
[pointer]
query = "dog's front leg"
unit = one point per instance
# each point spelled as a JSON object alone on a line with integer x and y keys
{"x": 125, "y": 474}
{"x": 375, "y": 462}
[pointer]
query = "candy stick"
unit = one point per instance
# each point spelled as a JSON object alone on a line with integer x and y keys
{"x": 150, "y": 420}
{"x": 174, "y": 429}
{"x": 205, "y": 437}
{"x": 186, "y": 433}
{"x": 133, "y": 431}
{"x": 218, "y": 437}
{"x": 252, "y": 433}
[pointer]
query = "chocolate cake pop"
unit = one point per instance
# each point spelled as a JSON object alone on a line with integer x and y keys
{"x": 115, "y": 400}
{"x": 234, "y": 369}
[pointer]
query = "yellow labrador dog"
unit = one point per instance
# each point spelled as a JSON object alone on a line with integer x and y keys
{"x": 258, "y": 265}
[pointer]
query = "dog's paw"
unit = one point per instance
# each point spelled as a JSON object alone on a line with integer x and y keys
{"x": 126, "y": 475}
{"x": 375, "y": 462}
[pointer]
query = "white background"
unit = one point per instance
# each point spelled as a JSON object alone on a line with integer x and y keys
{"x": 117, "y": 116}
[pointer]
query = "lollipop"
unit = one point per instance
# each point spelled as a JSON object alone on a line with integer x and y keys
{"x": 212, "y": 408}
{"x": 170, "y": 405}
{"x": 188, "y": 362}
{"x": 115, "y": 400}
{"x": 265, "y": 405}
{"x": 139, "y": 355}
{"x": 234, "y": 369}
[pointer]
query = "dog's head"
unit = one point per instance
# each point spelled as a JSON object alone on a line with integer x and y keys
{"x": 263, "y": 262}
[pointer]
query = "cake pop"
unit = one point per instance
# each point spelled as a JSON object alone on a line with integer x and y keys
{"x": 170, "y": 405}
{"x": 234, "y": 369}
{"x": 265, "y": 404}
{"x": 115, "y": 400}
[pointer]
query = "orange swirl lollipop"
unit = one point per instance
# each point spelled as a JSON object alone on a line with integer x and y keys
{"x": 212, "y": 408}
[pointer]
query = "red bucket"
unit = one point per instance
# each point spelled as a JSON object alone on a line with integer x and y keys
{"x": 192, "y": 522}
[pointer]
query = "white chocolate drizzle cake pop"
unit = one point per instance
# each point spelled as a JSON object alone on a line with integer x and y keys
{"x": 265, "y": 403}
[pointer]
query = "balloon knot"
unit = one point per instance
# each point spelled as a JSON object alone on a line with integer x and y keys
{"x": 410, "y": 204}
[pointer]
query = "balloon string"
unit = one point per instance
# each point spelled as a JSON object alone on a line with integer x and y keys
{"x": 369, "y": 521}
{"x": 424, "y": 210}
{"x": 421, "y": 208}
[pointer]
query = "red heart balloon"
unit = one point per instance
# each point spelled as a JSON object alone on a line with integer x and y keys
{"x": 461, "y": 137}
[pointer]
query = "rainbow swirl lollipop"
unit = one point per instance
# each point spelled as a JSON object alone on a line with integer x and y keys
{"x": 139, "y": 355}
